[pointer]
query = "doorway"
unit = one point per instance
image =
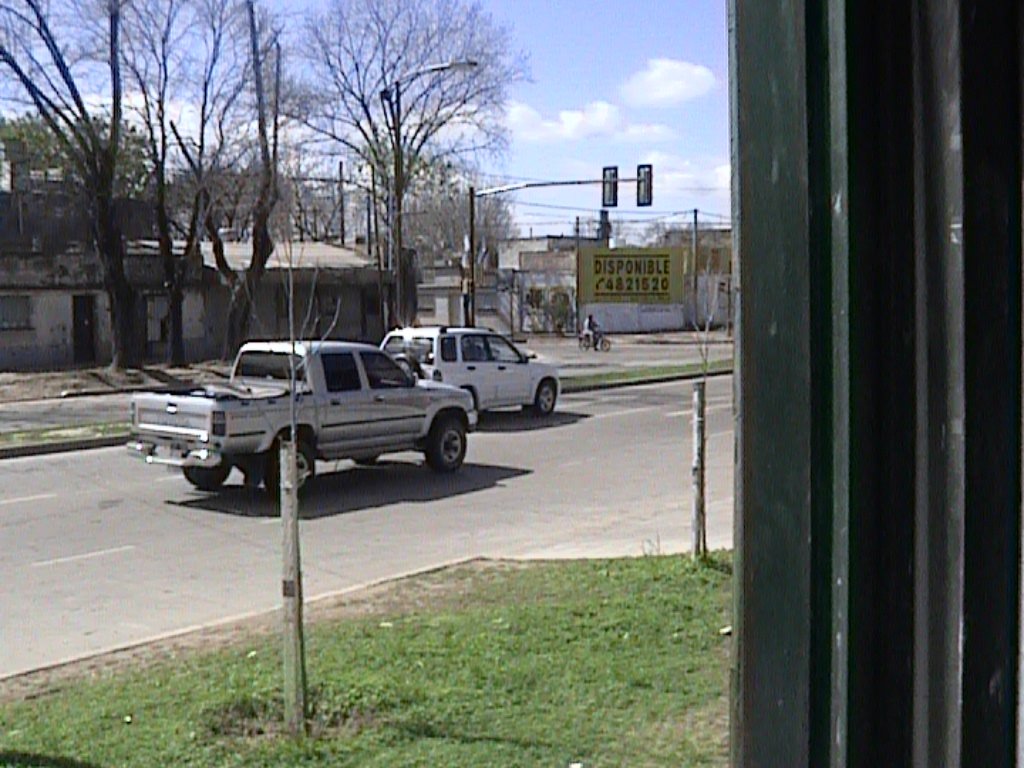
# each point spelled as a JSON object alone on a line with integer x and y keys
{"x": 84, "y": 335}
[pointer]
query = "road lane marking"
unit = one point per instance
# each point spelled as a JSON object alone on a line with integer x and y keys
{"x": 627, "y": 412}
{"x": 707, "y": 409}
{"x": 83, "y": 556}
{"x": 25, "y": 499}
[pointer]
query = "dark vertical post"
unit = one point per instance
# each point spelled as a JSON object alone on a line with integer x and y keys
{"x": 773, "y": 577}
{"x": 397, "y": 255}
{"x": 735, "y": 691}
{"x": 991, "y": 232}
{"x": 878, "y": 533}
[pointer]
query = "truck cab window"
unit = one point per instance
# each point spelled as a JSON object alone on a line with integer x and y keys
{"x": 340, "y": 373}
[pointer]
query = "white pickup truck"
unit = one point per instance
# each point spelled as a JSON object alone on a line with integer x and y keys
{"x": 352, "y": 402}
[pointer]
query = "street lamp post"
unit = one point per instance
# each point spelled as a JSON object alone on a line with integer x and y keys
{"x": 393, "y": 97}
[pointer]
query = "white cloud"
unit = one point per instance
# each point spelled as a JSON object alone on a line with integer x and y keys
{"x": 666, "y": 83}
{"x": 676, "y": 174}
{"x": 647, "y": 133}
{"x": 598, "y": 119}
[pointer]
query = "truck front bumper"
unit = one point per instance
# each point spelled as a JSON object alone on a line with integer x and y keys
{"x": 173, "y": 455}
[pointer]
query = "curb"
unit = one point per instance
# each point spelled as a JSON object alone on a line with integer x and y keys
{"x": 87, "y": 444}
{"x": 570, "y": 389}
{"x": 62, "y": 446}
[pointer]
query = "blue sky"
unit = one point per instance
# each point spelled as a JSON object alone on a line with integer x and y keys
{"x": 618, "y": 83}
{"x": 612, "y": 82}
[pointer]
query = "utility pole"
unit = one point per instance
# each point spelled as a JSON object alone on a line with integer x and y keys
{"x": 472, "y": 257}
{"x": 370, "y": 244}
{"x": 696, "y": 285}
{"x": 397, "y": 263}
{"x": 291, "y": 592}
{"x": 699, "y": 519}
{"x": 385, "y": 302}
{"x": 341, "y": 200}
{"x": 291, "y": 575}
{"x": 578, "y": 326}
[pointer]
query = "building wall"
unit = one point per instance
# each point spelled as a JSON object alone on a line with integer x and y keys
{"x": 49, "y": 343}
{"x": 711, "y": 308}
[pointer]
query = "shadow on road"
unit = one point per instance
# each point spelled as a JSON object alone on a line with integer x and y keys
{"x": 26, "y": 760}
{"x": 351, "y": 488}
{"x": 524, "y": 421}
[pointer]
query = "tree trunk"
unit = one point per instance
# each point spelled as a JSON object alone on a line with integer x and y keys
{"x": 109, "y": 245}
{"x": 176, "y": 339}
{"x": 236, "y": 331}
{"x": 173, "y": 277}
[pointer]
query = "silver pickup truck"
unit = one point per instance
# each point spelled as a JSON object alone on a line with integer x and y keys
{"x": 352, "y": 402}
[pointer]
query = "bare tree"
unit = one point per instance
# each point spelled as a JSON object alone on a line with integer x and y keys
{"x": 155, "y": 32}
{"x": 437, "y": 216}
{"x": 383, "y": 83}
{"x": 218, "y": 155}
{"x": 56, "y": 70}
{"x": 243, "y": 286}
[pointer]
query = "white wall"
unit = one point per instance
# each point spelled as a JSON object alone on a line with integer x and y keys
{"x": 713, "y": 300}
{"x": 50, "y": 342}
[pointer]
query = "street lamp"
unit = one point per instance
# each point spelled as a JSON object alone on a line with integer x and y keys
{"x": 392, "y": 96}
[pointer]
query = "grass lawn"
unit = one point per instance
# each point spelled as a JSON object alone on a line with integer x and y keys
{"x": 602, "y": 663}
{"x": 634, "y": 375}
{"x": 62, "y": 434}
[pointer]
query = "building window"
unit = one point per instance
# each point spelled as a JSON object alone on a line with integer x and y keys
{"x": 15, "y": 313}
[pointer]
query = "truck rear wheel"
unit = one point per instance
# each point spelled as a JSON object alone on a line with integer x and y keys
{"x": 305, "y": 460}
{"x": 207, "y": 478}
{"x": 446, "y": 444}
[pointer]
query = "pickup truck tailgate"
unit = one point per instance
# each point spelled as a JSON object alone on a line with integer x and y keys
{"x": 184, "y": 416}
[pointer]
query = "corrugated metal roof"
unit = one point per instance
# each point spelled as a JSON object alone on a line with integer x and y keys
{"x": 299, "y": 255}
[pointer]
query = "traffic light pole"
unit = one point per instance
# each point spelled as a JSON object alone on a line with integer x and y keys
{"x": 643, "y": 177}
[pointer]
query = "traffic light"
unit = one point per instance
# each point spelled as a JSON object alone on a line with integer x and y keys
{"x": 610, "y": 186}
{"x": 644, "y": 185}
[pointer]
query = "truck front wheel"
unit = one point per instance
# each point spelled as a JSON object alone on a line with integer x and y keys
{"x": 207, "y": 478}
{"x": 446, "y": 444}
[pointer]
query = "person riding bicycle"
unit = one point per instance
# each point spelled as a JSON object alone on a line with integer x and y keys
{"x": 592, "y": 330}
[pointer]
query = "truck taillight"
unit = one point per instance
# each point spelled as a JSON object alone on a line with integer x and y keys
{"x": 436, "y": 376}
{"x": 219, "y": 424}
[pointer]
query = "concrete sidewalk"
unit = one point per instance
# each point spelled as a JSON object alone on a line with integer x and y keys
{"x": 628, "y": 351}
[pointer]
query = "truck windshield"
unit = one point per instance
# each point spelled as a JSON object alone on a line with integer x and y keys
{"x": 267, "y": 365}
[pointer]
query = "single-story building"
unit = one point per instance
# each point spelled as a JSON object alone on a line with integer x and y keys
{"x": 54, "y": 311}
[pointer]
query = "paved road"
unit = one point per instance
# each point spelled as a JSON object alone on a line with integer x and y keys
{"x": 99, "y": 551}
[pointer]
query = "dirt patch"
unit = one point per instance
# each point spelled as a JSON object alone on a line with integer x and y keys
{"x": 17, "y": 386}
{"x": 432, "y": 591}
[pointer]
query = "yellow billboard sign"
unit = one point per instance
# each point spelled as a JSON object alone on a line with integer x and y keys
{"x": 631, "y": 276}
